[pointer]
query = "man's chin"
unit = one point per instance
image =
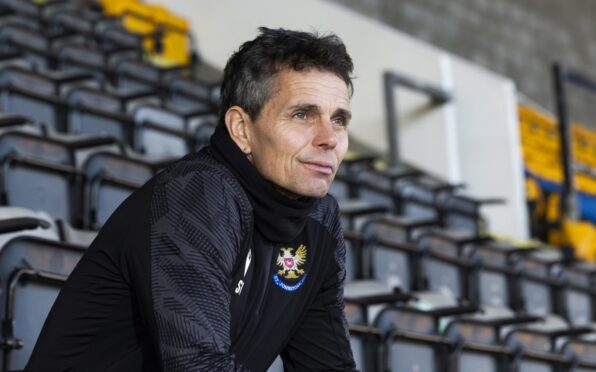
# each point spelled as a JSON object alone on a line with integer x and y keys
{"x": 315, "y": 192}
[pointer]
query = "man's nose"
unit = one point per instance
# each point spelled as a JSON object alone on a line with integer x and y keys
{"x": 325, "y": 136}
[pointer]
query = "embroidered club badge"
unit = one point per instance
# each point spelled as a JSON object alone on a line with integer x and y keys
{"x": 291, "y": 270}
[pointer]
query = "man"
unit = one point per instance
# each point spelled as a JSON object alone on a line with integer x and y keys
{"x": 232, "y": 255}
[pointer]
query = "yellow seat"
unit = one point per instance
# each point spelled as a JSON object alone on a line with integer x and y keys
{"x": 151, "y": 21}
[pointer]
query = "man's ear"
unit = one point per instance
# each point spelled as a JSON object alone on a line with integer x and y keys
{"x": 238, "y": 122}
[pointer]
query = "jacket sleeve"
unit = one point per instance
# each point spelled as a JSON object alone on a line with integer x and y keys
{"x": 196, "y": 235}
{"x": 321, "y": 342}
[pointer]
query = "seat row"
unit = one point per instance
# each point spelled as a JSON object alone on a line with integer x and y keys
{"x": 80, "y": 179}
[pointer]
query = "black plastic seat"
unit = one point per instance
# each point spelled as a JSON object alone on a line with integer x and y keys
{"x": 109, "y": 179}
{"x": 497, "y": 274}
{"x": 578, "y": 293}
{"x": 443, "y": 265}
{"x": 166, "y": 132}
{"x": 36, "y": 94}
{"x": 32, "y": 271}
{"x": 38, "y": 173}
{"x": 193, "y": 94}
{"x": 97, "y": 111}
{"x": 414, "y": 340}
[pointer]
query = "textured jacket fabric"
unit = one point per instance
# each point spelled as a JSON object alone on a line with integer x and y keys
{"x": 179, "y": 279}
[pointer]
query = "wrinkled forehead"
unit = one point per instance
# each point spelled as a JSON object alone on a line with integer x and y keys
{"x": 311, "y": 86}
{"x": 284, "y": 71}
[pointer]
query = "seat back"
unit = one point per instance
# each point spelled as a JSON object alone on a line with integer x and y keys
{"x": 161, "y": 132}
{"x": 38, "y": 174}
{"x": 32, "y": 270}
{"x": 29, "y": 93}
{"x": 109, "y": 179}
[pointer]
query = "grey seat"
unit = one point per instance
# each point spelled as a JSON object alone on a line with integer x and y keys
{"x": 463, "y": 212}
{"x": 583, "y": 350}
{"x": 578, "y": 296}
{"x": 167, "y": 132}
{"x": 497, "y": 273}
{"x": 479, "y": 337}
{"x": 538, "y": 284}
{"x": 193, "y": 94}
{"x": 34, "y": 44}
{"x": 37, "y": 94}
{"x": 109, "y": 179}
{"x": 32, "y": 269}
{"x": 103, "y": 111}
{"x": 422, "y": 196}
{"x": 135, "y": 74}
{"x": 443, "y": 266}
{"x": 535, "y": 344}
{"x": 38, "y": 173}
{"x": 414, "y": 341}
{"x": 345, "y": 185}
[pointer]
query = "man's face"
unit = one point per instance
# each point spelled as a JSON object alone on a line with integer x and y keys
{"x": 300, "y": 137}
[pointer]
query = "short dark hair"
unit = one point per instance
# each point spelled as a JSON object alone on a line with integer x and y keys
{"x": 249, "y": 74}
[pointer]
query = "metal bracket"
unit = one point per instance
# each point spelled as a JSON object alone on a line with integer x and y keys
{"x": 393, "y": 79}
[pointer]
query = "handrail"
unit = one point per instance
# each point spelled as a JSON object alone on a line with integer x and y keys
{"x": 393, "y": 79}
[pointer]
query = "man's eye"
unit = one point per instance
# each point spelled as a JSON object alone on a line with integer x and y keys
{"x": 300, "y": 115}
{"x": 340, "y": 120}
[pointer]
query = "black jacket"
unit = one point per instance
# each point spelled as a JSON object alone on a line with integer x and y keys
{"x": 179, "y": 279}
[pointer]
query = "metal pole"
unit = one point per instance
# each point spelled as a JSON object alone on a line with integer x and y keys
{"x": 569, "y": 207}
{"x": 392, "y": 118}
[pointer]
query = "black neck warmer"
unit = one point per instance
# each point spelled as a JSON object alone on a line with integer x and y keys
{"x": 277, "y": 217}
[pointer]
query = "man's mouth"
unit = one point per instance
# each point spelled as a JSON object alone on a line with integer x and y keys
{"x": 319, "y": 167}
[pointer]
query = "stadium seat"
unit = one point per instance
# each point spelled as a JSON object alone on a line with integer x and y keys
{"x": 364, "y": 299}
{"x": 443, "y": 265}
{"x": 167, "y": 132}
{"x": 35, "y": 44}
{"x": 355, "y": 212}
{"x": 535, "y": 344}
{"x": 135, "y": 75}
{"x": 414, "y": 339}
{"x": 463, "y": 212}
{"x": 538, "y": 286}
{"x": 36, "y": 94}
{"x": 96, "y": 111}
{"x": 497, "y": 275}
{"x": 109, "y": 179}
{"x": 345, "y": 184}
{"x": 37, "y": 9}
{"x": 578, "y": 296}
{"x": 38, "y": 173}
{"x": 92, "y": 59}
{"x": 479, "y": 342}
{"x": 422, "y": 196}
{"x": 378, "y": 186}
{"x": 193, "y": 95}
{"x": 392, "y": 263}
{"x": 32, "y": 269}
{"x": 582, "y": 349}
